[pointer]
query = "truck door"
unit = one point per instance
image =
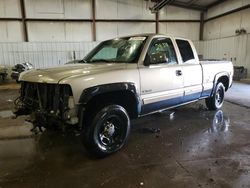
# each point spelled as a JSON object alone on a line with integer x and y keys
{"x": 192, "y": 70}
{"x": 161, "y": 77}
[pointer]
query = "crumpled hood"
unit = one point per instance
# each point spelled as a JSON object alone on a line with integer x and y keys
{"x": 54, "y": 75}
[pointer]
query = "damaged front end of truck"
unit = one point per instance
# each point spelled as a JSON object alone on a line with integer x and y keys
{"x": 49, "y": 105}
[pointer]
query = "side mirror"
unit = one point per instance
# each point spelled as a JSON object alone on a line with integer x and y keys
{"x": 157, "y": 58}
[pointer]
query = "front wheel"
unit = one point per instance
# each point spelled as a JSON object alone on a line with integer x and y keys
{"x": 216, "y": 101}
{"x": 108, "y": 130}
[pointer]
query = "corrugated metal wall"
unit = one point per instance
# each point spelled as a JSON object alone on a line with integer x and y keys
{"x": 235, "y": 49}
{"x": 43, "y": 54}
{"x": 47, "y": 54}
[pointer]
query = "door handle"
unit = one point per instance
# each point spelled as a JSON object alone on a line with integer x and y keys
{"x": 178, "y": 72}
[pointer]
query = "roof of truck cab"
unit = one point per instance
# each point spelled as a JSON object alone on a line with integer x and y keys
{"x": 144, "y": 35}
{"x": 151, "y": 35}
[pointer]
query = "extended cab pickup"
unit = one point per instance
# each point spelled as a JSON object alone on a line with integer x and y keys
{"x": 121, "y": 79}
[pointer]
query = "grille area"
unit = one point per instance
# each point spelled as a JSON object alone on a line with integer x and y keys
{"x": 50, "y": 98}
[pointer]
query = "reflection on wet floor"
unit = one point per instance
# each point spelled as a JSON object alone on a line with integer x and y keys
{"x": 220, "y": 122}
{"x": 186, "y": 147}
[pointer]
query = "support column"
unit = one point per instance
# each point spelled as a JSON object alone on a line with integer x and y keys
{"x": 93, "y": 20}
{"x": 157, "y": 22}
{"x": 23, "y": 13}
{"x": 201, "y": 25}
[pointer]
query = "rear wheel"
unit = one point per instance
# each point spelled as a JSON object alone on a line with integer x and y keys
{"x": 216, "y": 101}
{"x": 108, "y": 130}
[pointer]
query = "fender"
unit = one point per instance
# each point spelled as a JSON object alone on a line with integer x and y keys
{"x": 216, "y": 78}
{"x": 89, "y": 93}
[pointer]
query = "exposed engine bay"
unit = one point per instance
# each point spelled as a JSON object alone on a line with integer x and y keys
{"x": 47, "y": 104}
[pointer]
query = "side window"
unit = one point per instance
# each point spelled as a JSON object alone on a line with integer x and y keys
{"x": 162, "y": 50}
{"x": 185, "y": 50}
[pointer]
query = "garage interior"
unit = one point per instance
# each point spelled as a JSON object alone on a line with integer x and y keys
{"x": 185, "y": 147}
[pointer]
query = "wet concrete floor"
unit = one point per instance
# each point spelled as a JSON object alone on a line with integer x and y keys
{"x": 187, "y": 147}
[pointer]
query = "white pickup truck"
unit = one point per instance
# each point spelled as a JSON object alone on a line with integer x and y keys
{"x": 121, "y": 79}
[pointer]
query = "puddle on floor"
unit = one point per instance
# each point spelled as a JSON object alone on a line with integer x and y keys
{"x": 220, "y": 122}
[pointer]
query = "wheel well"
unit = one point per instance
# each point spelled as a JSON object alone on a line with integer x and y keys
{"x": 225, "y": 81}
{"x": 126, "y": 99}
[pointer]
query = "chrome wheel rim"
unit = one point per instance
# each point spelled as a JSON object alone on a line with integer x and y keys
{"x": 219, "y": 97}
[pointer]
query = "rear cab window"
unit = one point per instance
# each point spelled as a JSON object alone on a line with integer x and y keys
{"x": 185, "y": 50}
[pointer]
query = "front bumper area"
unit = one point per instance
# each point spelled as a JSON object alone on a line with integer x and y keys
{"x": 48, "y": 104}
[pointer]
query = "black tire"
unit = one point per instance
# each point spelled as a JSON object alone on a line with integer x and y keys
{"x": 216, "y": 101}
{"x": 107, "y": 132}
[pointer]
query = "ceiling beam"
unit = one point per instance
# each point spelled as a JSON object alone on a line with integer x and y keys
{"x": 216, "y": 3}
{"x": 158, "y": 6}
{"x": 191, "y": 2}
{"x": 188, "y": 6}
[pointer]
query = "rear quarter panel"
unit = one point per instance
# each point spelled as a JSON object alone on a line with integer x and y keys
{"x": 213, "y": 68}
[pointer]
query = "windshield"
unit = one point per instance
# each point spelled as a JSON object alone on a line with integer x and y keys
{"x": 124, "y": 50}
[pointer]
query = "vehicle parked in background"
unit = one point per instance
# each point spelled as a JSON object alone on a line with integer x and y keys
{"x": 18, "y": 68}
{"x": 122, "y": 79}
{"x": 3, "y": 72}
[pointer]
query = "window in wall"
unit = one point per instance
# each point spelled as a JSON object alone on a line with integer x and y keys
{"x": 185, "y": 50}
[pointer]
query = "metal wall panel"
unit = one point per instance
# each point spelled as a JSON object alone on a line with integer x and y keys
{"x": 198, "y": 46}
{"x": 107, "y": 30}
{"x": 102, "y": 13}
{"x": 135, "y": 28}
{"x": 10, "y": 9}
{"x": 177, "y": 13}
{"x": 227, "y": 25}
{"x": 43, "y": 54}
{"x": 78, "y": 31}
{"x": 120, "y": 9}
{"x": 225, "y": 7}
{"x": 58, "y": 9}
{"x": 11, "y": 31}
{"x": 182, "y": 29}
{"x": 133, "y": 9}
{"x": 245, "y": 16}
{"x": 59, "y": 31}
{"x": 248, "y": 55}
{"x": 46, "y": 31}
{"x": 212, "y": 29}
{"x": 78, "y": 9}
